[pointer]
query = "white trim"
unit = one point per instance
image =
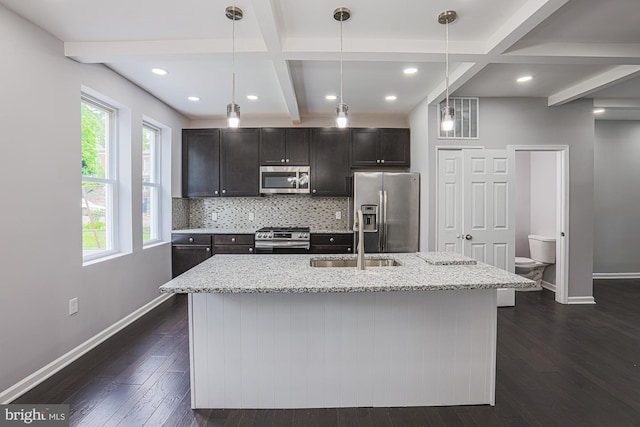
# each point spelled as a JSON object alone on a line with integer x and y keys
{"x": 562, "y": 245}
{"x": 548, "y": 285}
{"x": 26, "y": 384}
{"x": 581, "y": 300}
{"x": 616, "y": 276}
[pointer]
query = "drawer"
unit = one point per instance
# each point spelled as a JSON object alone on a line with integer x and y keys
{"x": 234, "y": 249}
{"x": 194, "y": 239}
{"x": 233, "y": 239}
{"x": 328, "y": 239}
{"x": 331, "y": 249}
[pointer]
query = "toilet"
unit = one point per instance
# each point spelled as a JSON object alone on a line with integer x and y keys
{"x": 543, "y": 253}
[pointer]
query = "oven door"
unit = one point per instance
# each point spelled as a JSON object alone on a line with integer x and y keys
{"x": 284, "y": 179}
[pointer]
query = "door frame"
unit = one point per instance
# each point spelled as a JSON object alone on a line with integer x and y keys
{"x": 562, "y": 216}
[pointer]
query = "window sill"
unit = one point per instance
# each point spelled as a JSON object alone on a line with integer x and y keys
{"x": 106, "y": 257}
{"x": 154, "y": 244}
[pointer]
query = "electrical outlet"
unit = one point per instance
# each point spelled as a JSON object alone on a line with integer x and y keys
{"x": 214, "y": 216}
{"x": 338, "y": 215}
{"x": 251, "y": 216}
{"x": 73, "y": 306}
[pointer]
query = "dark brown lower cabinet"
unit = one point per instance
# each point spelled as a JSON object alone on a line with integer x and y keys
{"x": 233, "y": 243}
{"x": 331, "y": 243}
{"x": 189, "y": 250}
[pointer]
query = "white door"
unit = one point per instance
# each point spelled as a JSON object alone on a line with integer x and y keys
{"x": 476, "y": 213}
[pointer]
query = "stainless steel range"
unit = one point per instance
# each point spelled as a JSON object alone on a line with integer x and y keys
{"x": 283, "y": 240}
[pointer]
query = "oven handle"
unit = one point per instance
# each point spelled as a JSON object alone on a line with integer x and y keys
{"x": 282, "y": 244}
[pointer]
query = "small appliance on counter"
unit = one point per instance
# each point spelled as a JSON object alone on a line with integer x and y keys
{"x": 283, "y": 240}
{"x": 390, "y": 204}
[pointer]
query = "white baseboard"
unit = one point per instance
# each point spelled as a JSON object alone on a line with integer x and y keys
{"x": 47, "y": 371}
{"x": 616, "y": 275}
{"x": 581, "y": 300}
{"x": 547, "y": 285}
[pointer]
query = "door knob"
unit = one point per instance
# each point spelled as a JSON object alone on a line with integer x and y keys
{"x": 468, "y": 237}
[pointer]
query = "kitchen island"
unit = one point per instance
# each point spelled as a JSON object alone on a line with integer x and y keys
{"x": 271, "y": 331}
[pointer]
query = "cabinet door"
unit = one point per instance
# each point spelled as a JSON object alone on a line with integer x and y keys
{"x": 297, "y": 153}
{"x": 272, "y": 147}
{"x": 395, "y": 147}
{"x": 364, "y": 147}
{"x": 330, "y": 164}
{"x": 200, "y": 158}
{"x": 239, "y": 162}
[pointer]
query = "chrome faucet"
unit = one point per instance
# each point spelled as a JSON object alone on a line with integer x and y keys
{"x": 360, "y": 227}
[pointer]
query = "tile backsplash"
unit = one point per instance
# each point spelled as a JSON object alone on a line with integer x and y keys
{"x": 256, "y": 212}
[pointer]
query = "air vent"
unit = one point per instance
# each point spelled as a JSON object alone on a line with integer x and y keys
{"x": 465, "y": 119}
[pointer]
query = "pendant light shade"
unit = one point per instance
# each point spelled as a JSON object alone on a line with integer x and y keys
{"x": 448, "y": 112}
{"x": 233, "y": 110}
{"x": 342, "y": 120}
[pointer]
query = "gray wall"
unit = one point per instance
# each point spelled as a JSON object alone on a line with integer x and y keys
{"x": 523, "y": 202}
{"x": 41, "y": 219}
{"x": 617, "y": 197}
{"x": 529, "y": 121}
{"x": 544, "y": 182}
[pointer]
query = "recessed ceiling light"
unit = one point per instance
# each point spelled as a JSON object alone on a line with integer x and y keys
{"x": 159, "y": 71}
{"x": 330, "y": 97}
{"x": 410, "y": 70}
{"x": 252, "y": 97}
{"x": 598, "y": 110}
{"x": 524, "y": 79}
{"x": 193, "y": 98}
{"x": 390, "y": 98}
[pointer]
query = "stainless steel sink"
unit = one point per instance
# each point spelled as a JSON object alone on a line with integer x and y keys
{"x": 378, "y": 262}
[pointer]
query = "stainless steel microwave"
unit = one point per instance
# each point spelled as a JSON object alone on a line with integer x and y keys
{"x": 284, "y": 180}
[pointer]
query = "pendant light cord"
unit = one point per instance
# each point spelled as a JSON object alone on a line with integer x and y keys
{"x": 233, "y": 60}
{"x": 446, "y": 53}
{"x": 341, "y": 59}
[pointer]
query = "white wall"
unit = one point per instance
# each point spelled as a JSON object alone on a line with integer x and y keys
{"x": 529, "y": 121}
{"x": 40, "y": 174}
{"x": 544, "y": 182}
{"x": 523, "y": 202}
{"x": 418, "y": 122}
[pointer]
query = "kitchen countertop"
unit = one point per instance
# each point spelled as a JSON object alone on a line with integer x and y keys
{"x": 293, "y": 274}
{"x": 247, "y": 231}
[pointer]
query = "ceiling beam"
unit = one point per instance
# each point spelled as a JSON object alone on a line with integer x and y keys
{"x": 593, "y": 84}
{"x": 264, "y": 10}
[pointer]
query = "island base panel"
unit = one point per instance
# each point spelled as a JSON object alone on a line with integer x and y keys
{"x": 330, "y": 350}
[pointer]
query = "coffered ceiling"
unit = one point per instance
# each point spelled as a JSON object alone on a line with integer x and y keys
{"x": 288, "y": 51}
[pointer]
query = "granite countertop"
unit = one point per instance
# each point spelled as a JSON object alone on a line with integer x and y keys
{"x": 293, "y": 274}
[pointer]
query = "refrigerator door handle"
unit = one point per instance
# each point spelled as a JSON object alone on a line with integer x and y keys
{"x": 384, "y": 226}
{"x": 380, "y": 220}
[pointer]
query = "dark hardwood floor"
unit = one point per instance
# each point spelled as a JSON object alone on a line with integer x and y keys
{"x": 557, "y": 365}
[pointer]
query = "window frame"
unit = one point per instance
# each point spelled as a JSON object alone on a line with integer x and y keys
{"x": 111, "y": 181}
{"x": 155, "y": 182}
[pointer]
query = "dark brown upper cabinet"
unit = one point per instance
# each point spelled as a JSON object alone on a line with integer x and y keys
{"x": 330, "y": 164}
{"x": 200, "y": 162}
{"x": 239, "y": 162}
{"x": 284, "y": 147}
{"x": 371, "y": 147}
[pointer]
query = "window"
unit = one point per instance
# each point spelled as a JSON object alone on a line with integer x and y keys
{"x": 465, "y": 124}
{"x": 151, "y": 183}
{"x": 99, "y": 178}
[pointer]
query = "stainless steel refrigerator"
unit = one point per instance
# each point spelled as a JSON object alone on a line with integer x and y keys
{"x": 390, "y": 204}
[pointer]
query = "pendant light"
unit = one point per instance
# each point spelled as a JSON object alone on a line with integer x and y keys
{"x": 447, "y": 114}
{"x": 233, "y": 110}
{"x": 342, "y": 120}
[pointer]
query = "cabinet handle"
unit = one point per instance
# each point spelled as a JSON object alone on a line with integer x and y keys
{"x": 233, "y": 240}
{"x": 281, "y": 160}
{"x": 215, "y": 192}
{"x": 382, "y": 161}
{"x": 190, "y": 239}
{"x": 378, "y": 161}
{"x": 208, "y": 249}
{"x": 331, "y": 239}
{"x": 224, "y": 191}
{"x": 348, "y": 249}
{"x": 287, "y": 160}
{"x": 314, "y": 190}
{"x": 250, "y": 249}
